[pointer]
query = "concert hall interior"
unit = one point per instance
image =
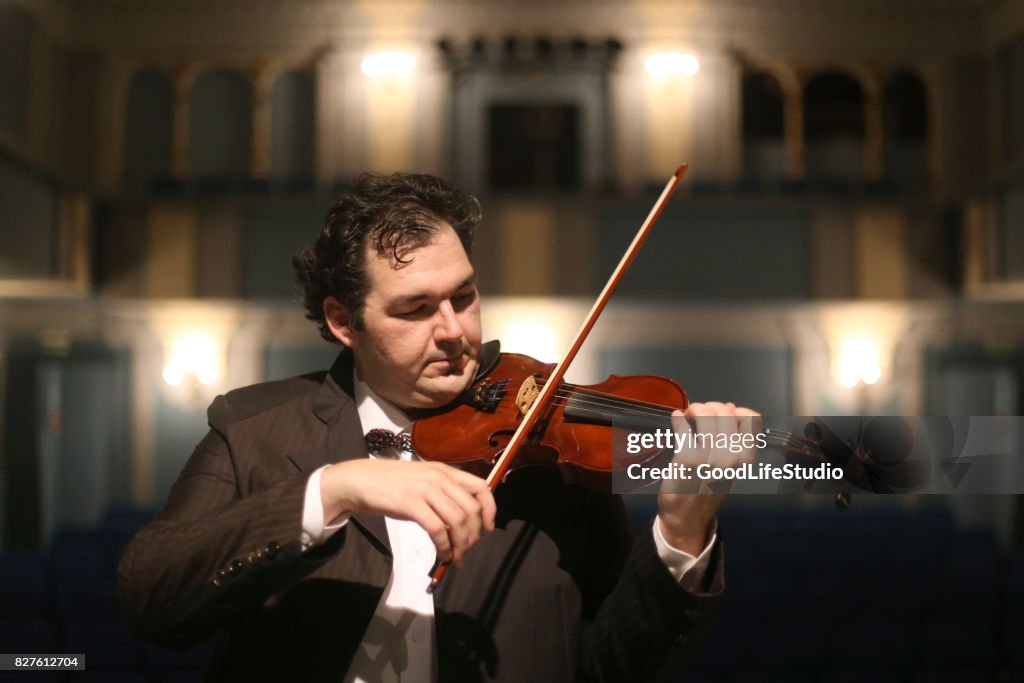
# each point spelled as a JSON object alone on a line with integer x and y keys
{"x": 848, "y": 240}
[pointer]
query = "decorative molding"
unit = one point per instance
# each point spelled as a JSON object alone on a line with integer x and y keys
{"x": 525, "y": 52}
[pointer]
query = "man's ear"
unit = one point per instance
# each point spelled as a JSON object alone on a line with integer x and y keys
{"x": 339, "y": 322}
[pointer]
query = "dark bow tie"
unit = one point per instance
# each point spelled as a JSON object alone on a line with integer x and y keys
{"x": 378, "y": 440}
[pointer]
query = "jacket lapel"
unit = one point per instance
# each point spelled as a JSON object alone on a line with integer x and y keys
{"x": 334, "y": 405}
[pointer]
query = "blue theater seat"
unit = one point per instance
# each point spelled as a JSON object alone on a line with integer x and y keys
{"x": 24, "y": 585}
{"x": 957, "y": 643}
{"x": 77, "y": 554}
{"x": 108, "y": 645}
{"x": 87, "y": 600}
{"x": 193, "y": 659}
{"x": 27, "y": 635}
{"x": 878, "y": 645}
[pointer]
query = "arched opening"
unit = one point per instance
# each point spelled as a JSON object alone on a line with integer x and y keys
{"x": 905, "y": 129}
{"x": 148, "y": 130}
{"x": 763, "y": 126}
{"x": 220, "y": 130}
{"x": 292, "y": 129}
{"x": 834, "y": 128}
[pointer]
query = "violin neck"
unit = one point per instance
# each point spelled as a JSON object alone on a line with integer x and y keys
{"x": 594, "y": 407}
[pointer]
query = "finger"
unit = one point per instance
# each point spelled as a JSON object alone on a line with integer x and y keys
{"x": 680, "y": 425}
{"x": 470, "y": 482}
{"x": 701, "y": 417}
{"x": 471, "y": 507}
{"x": 454, "y": 519}
{"x": 692, "y": 449}
{"x": 479, "y": 489}
{"x": 435, "y": 527}
{"x": 697, "y": 410}
{"x": 750, "y": 420}
{"x": 488, "y": 508}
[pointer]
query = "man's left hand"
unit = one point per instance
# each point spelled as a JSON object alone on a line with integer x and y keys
{"x": 686, "y": 517}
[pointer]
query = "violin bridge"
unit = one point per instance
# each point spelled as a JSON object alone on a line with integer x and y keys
{"x": 529, "y": 390}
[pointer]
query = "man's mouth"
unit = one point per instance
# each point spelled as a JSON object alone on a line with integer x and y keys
{"x": 450, "y": 360}
{"x": 452, "y": 365}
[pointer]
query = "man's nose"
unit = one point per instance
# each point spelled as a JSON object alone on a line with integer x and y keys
{"x": 448, "y": 327}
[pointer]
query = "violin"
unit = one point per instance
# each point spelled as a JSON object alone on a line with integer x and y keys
{"x": 572, "y": 433}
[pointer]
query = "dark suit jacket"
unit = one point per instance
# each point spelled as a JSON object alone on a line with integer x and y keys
{"x": 556, "y": 593}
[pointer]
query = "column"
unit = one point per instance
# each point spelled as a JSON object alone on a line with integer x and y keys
{"x": 669, "y": 105}
{"x": 169, "y": 268}
{"x": 262, "y": 77}
{"x": 716, "y": 127}
{"x": 326, "y": 117}
{"x": 391, "y": 115}
{"x": 626, "y": 89}
{"x": 182, "y": 77}
{"x": 793, "y": 127}
{"x": 874, "y": 142}
{"x": 881, "y": 252}
{"x": 936, "y": 84}
{"x": 114, "y": 86}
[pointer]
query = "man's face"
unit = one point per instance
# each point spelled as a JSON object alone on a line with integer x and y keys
{"x": 420, "y": 342}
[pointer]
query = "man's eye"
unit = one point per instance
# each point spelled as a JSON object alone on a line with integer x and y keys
{"x": 413, "y": 313}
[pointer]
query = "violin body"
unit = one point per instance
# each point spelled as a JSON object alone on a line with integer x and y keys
{"x": 573, "y": 432}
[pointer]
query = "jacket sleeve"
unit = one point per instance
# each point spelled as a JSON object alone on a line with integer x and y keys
{"x": 210, "y": 554}
{"x": 648, "y": 623}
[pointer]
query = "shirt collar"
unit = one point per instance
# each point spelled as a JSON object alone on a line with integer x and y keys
{"x": 376, "y": 412}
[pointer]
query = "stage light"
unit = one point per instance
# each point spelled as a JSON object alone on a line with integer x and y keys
{"x": 671, "y": 64}
{"x": 195, "y": 354}
{"x": 858, "y": 362}
{"x": 389, "y": 63}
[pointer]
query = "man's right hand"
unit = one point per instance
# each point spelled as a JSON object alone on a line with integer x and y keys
{"x": 451, "y": 505}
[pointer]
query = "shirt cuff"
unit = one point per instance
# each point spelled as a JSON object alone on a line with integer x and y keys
{"x": 314, "y": 531}
{"x": 684, "y": 567}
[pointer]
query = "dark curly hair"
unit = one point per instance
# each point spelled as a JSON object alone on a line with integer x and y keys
{"x": 394, "y": 213}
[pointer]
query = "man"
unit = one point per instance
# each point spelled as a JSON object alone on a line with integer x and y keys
{"x": 309, "y": 556}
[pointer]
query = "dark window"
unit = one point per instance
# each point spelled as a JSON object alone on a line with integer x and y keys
{"x": 220, "y": 127}
{"x": 905, "y": 108}
{"x": 148, "y": 130}
{"x": 292, "y": 127}
{"x": 533, "y": 146}
{"x": 763, "y": 103}
{"x": 833, "y": 107}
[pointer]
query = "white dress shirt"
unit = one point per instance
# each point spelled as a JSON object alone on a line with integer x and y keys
{"x": 398, "y": 646}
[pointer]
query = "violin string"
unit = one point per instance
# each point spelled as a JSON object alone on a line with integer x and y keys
{"x": 620, "y": 406}
{"x": 610, "y": 400}
{"x": 779, "y": 436}
{"x": 597, "y": 399}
